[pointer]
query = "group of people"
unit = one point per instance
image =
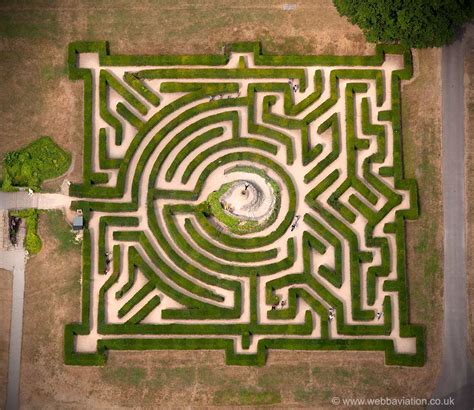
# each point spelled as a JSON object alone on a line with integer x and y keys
{"x": 282, "y": 304}
{"x": 291, "y": 83}
{"x": 108, "y": 259}
{"x": 13, "y": 226}
{"x": 221, "y": 96}
{"x": 293, "y": 86}
{"x": 332, "y": 314}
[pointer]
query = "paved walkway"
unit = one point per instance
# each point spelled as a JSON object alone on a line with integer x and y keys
{"x": 14, "y": 260}
{"x": 21, "y": 200}
{"x": 456, "y": 378}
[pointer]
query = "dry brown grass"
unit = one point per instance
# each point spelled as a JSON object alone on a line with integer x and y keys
{"x": 6, "y": 283}
{"x": 40, "y": 99}
{"x": 422, "y": 144}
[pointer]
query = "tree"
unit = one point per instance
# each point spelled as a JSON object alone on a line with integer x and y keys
{"x": 413, "y": 23}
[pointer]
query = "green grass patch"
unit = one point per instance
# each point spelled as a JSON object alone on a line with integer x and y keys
{"x": 72, "y": 286}
{"x": 312, "y": 396}
{"x": 30, "y": 166}
{"x": 132, "y": 376}
{"x": 34, "y": 24}
{"x": 173, "y": 376}
{"x": 368, "y": 377}
{"x": 53, "y": 72}
{"x": 333, "y": 373}
{"x": 246, "y": 397}
{"x": 224, "y": 377}
{"x": 283, "y": 376}
{"x": 62, "y": 231}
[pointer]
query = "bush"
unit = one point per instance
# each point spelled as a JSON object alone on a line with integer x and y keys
{"x": 30, "y": 166}
{"x": 33, "y": 243}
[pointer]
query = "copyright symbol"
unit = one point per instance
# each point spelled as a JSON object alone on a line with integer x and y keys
{"x": 336, "y": 401}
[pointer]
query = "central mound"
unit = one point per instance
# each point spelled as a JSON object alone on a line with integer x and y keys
{"x": 247, "y": 204}
{"x": 247, "y": 200}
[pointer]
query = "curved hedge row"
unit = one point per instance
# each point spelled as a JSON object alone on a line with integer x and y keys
{"x": 196, "y": 288}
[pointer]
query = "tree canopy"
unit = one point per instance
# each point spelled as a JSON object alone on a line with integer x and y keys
{"x": 413, "y": 23}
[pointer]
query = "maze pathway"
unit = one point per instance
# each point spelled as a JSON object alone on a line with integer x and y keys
{"x": 243, "y": 202}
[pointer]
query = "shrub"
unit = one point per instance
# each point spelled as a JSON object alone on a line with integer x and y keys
{"x": 41, "y": 160}
{"x": 33, "y": 243}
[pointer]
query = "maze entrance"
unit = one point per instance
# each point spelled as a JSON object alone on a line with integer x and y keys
{"x": 243, "y": 203}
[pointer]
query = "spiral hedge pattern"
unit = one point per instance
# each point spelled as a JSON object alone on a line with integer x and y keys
{"x": 243, "y": 202}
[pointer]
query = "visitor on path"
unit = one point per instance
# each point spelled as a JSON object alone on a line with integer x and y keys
{"x": 293, "y": 225}
{"x": 108, "y": 259}
{"x": 379, "y": 315}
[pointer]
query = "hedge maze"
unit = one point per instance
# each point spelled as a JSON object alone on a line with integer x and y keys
{"x": 243, "y": 202}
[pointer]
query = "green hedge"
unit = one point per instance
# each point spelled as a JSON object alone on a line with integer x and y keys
{"x": 210, "y": 229}
{"x": 225, "y": 254}
{"x": 215, "y": 266}
{"x": 201, "y": 302}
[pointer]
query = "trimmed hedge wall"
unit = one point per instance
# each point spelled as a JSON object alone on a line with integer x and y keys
{"x": 198, "y": 294}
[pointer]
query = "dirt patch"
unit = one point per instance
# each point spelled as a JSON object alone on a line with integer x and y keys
{"x": 6, "y": 287}
{"x": 469, "y": 178}
{"x": 40, "y": 100}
